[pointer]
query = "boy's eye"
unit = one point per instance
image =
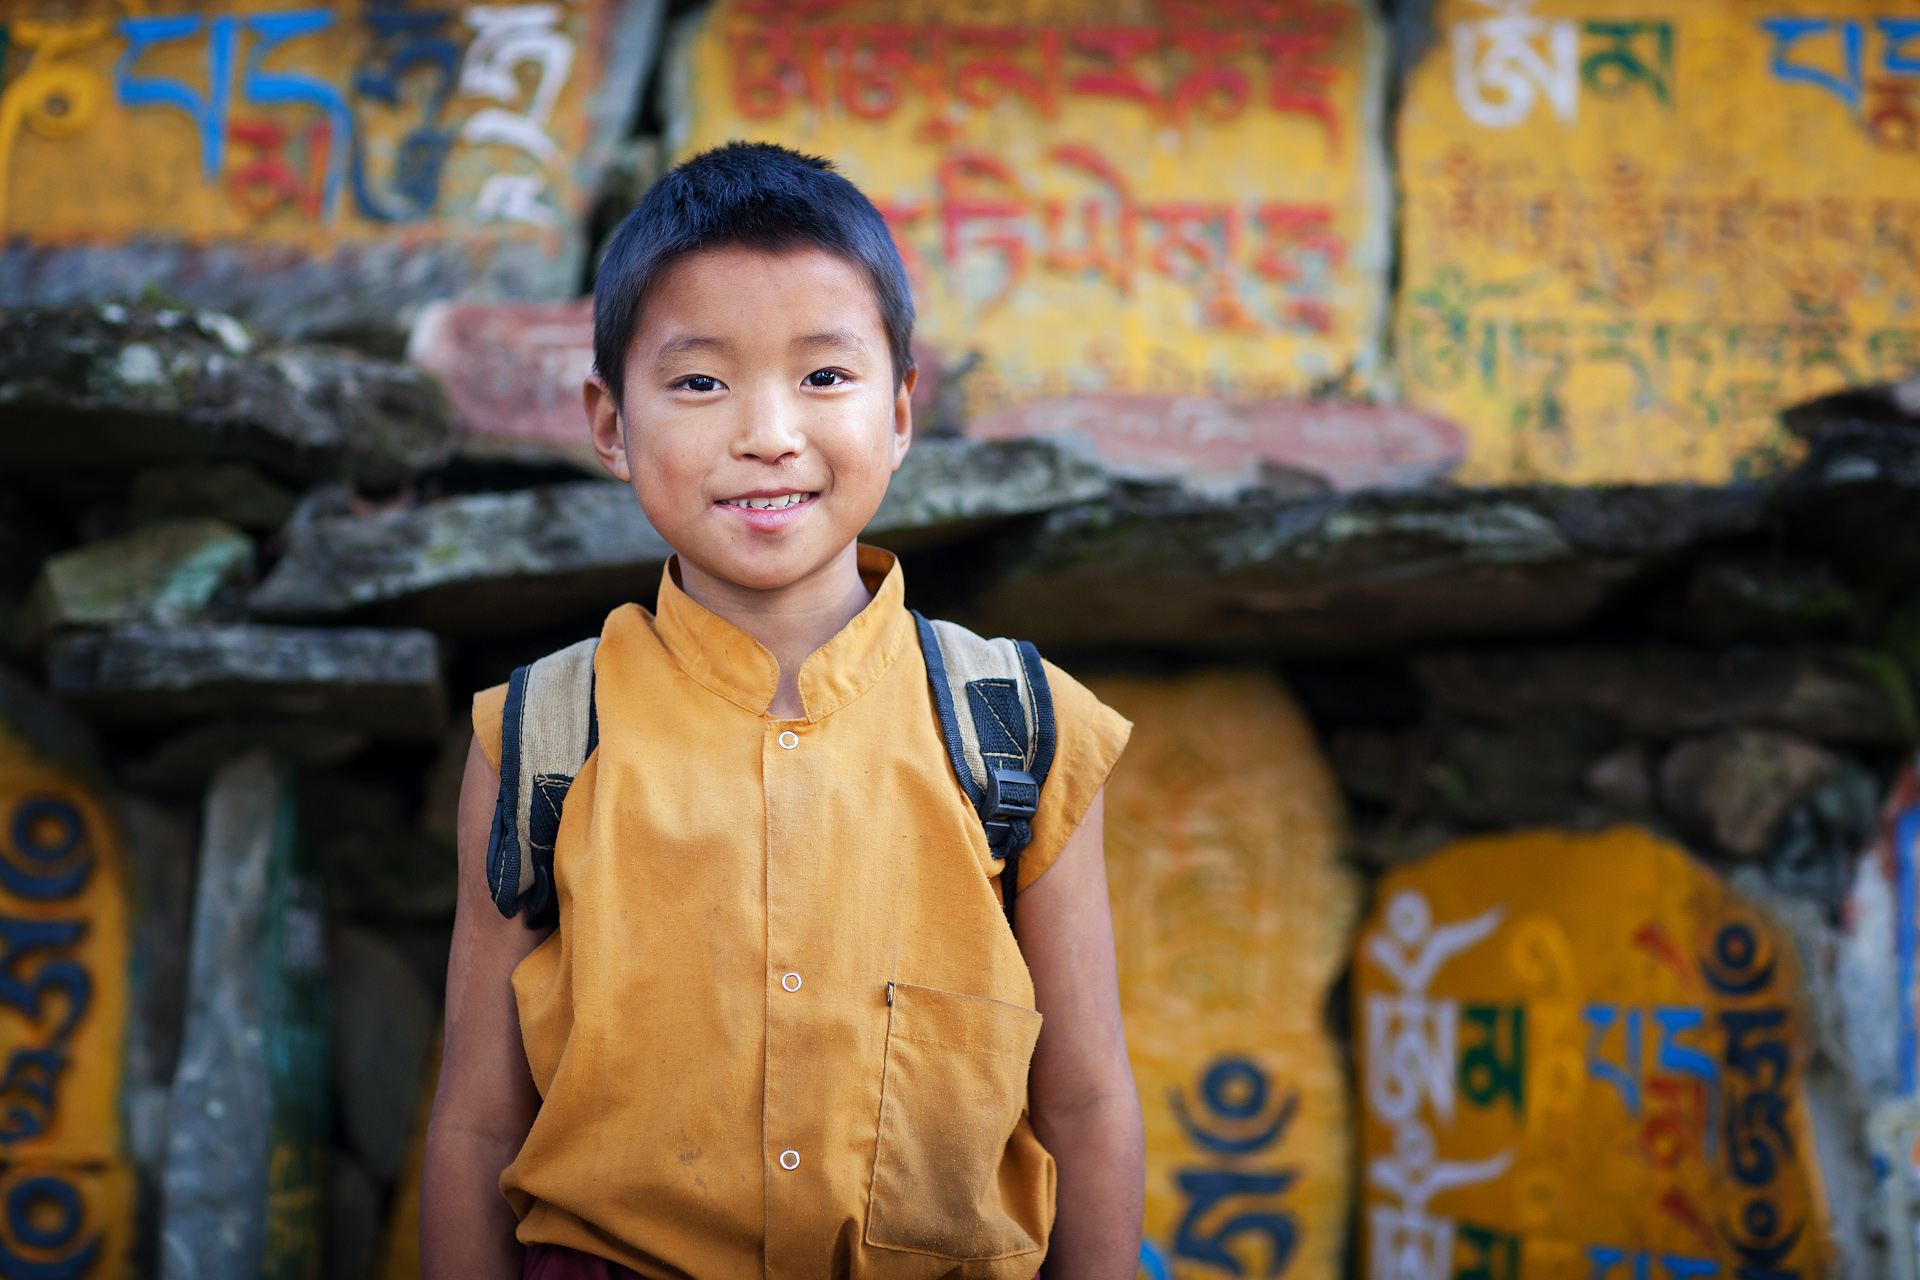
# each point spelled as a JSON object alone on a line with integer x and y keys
{"x": 825, "y": 378}
{"x": 700, "y": 382}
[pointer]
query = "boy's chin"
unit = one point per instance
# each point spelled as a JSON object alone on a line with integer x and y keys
{"x": 764, "y": 568}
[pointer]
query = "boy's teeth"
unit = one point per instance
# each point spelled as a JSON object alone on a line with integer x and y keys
{"x": 770, "y": 504}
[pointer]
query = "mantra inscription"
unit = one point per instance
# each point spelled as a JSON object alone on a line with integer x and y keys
{"x": 66, "y": 1192}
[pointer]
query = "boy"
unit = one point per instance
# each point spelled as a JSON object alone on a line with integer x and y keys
{"x": 782, "y": 1027}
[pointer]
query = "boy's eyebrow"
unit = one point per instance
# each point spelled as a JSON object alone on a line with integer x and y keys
{"x": 832, "y": 339}
{"x": 686, "y": 343}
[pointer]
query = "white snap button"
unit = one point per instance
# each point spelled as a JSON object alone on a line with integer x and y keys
{"x": 789, "y": 1160}
{"x": 791, "y": 982}
{"x": 789, "y": 739}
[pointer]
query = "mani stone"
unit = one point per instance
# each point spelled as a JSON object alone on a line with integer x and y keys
{"x": 1835, "y": 694}
{"x": 245, "y": 1173}
{"x": 502, "y": 562}
{"x": 1341, "y": 573}
{"x": 64, "y": 1018}
{"x": 1232, "y": 919}
{"x": 166, "y": 573}
{"x": 84, "y": 388}
{"x": 1583, "y": 1050}
{"x": 385, "y": 682}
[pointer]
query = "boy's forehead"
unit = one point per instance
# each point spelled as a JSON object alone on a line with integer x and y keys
{"x": 722, "y": 296}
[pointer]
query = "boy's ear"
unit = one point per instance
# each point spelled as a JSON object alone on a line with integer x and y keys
{"x": 903, "y": 417}
{"x": 603, "y": 421}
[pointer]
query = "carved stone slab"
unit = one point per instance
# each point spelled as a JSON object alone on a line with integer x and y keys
{"x": 248, "y": 1117}
{"x": 1232, "y": 916}
{"x": 312, "y": 169}
{"x": 1171, "y": 200}
{"x": 1580, "y": 1056}
{"x": 1633, "y": 233}
{"x": 66, "y": 1189}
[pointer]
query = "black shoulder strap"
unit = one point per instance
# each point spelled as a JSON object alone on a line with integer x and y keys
{"x": 996, "y": 718}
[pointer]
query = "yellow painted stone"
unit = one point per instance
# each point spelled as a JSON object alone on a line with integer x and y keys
{"x": 1633, "y": 231}
{"x": 1580, "y": 1056}
{"x": 65, "y": 1187}
{"x": 1232, "y": 916}
{"x": 295, "y": 125}
{"x": 1187, "y": 196}
{"x": 69, "y": 1220}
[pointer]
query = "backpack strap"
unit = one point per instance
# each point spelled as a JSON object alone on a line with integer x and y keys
{"x": 996, "y": 715}
{"x": 548, "y": 728}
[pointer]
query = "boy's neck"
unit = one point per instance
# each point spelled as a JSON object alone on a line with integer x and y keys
{"x": 792, "y": 622}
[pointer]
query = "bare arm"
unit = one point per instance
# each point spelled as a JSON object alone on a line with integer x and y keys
{"x": 486, "y": 1100}
{"x": 1086, "y": 1111}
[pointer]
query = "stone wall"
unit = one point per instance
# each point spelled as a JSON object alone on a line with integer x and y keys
{"x": 1509, "y": 565}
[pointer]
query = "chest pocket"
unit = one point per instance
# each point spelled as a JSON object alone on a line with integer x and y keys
{"x": 952, "y": 1124}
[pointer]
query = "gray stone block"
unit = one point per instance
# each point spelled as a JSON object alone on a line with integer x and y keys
{"x": 1339, "y": 574}
{"x": 84, "y": 388}
{"x": 1833, "y": 694}
{"x": 385, "y": 682}
{"x": 167, "y": 573}
{"x": 248, "y": 1111}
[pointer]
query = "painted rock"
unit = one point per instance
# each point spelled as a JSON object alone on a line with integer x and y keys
{"x": 1633, "y": 233}
{"x": 1580, "y": 1056}
{"x": 67, "y": 1191}
{"x": 1232, "y": 917}
{"x": 312, "y": 169}
{"x": 246, "y": 1157}
{"x": 1167, "y": 199}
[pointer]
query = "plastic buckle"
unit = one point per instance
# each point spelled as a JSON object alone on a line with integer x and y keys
{"x": 1012, "y": 793}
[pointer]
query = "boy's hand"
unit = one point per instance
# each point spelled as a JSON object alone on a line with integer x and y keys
{"x": 1085, "y": 1109}
{"x": 486, "y": 1100}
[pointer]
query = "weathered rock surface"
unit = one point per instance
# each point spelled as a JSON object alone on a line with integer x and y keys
{"x": 1218, "y": 447}
{"x": 167, "y": 573}
{"x": 515, "y": 561}
{"x": 380, "y": 864}
{"x": 947, "y": 489}
{"x": 513, "y": 373}
{"x": 184, "y": 762}
{"x": 1833, "y": 694}
{"x": 236, "y": 1142}
{"x": 383, "y": 1021}
{"x": 1736, "y": 787}
{"x": 230, "y": 491}
{"x": 84, "y": 387}
{"x": 1855, "y": 495}
{"x": 1368, "y": 572}
{"x": 485, "y": 562}
{"x": 385, "y": 682}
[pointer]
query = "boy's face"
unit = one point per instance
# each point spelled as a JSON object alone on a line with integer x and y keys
{"x": 761, "y": 422}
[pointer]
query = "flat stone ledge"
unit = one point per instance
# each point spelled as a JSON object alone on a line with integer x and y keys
{"x": 82, "y": 387}
{"x": 1359, "y": 573}
{"x": 385, "y": 682}
{"x": 502, "y": 562}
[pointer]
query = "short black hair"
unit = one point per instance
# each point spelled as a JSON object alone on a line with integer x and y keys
{"x": 758, "y": 195}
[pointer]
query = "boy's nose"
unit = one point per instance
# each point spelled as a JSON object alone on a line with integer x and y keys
{"x": 770, "y": 429}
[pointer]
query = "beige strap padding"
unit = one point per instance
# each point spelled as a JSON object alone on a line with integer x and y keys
{"x": 554, "y": 713}
{"x": 969, "y": 657}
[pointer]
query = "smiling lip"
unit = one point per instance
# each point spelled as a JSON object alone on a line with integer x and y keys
{"x": 770, "y": 509}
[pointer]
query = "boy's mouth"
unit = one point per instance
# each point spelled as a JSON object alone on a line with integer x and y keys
{"x": 768, "y": 502}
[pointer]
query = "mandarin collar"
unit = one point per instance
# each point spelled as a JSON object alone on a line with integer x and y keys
{"x": 731, "y": 663}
